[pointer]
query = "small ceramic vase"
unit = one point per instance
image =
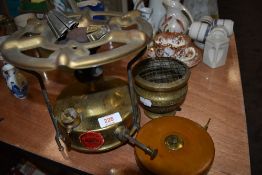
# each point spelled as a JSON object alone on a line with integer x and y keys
{"x": 15, "y": 81}
{"x": 216, "y": 47}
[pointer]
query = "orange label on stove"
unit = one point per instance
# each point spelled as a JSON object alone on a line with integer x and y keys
{"x": 92, "y": 140}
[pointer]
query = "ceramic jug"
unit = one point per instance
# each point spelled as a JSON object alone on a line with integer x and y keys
{"x": 15, "y": 81}
{"x": 176, "y": 19}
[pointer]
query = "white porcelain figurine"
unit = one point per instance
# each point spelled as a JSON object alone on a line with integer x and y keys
{"x": 15, "y": 81}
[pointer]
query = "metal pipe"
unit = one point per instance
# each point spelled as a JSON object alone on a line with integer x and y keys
{"x": 149, "y": 151}
{"x": 136, "y": 118}
{"x": 122, "y": 133}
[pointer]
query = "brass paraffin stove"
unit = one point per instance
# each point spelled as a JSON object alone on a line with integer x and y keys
{"x": 97, "y": 115}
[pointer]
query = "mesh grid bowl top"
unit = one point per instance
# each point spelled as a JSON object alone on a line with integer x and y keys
{"x": 161, "y": 74}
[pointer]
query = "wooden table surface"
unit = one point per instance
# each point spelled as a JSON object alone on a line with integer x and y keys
{"x": 213, "y": 93}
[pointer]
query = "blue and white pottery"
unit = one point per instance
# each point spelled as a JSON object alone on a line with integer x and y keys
{"x": 15, "y": 81}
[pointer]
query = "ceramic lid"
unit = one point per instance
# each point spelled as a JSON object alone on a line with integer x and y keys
{"x": 184, "y": 147}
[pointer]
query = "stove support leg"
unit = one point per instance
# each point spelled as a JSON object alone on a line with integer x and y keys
{"x": 49, "y": 107}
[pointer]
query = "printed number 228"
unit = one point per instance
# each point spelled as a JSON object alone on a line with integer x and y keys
{"x": 108, "y": 120}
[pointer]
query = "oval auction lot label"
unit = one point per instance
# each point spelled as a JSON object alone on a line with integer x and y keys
{"x": 92, "y": 140}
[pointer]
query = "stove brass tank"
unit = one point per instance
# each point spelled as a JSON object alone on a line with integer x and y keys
{"x": 79, "y": 107}
{"x": 161, "y": 85}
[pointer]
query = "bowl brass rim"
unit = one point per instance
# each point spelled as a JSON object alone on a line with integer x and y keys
{"x": 139, "y": 81}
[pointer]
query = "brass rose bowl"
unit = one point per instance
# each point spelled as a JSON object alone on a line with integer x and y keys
{"x": 161, "y": 85}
